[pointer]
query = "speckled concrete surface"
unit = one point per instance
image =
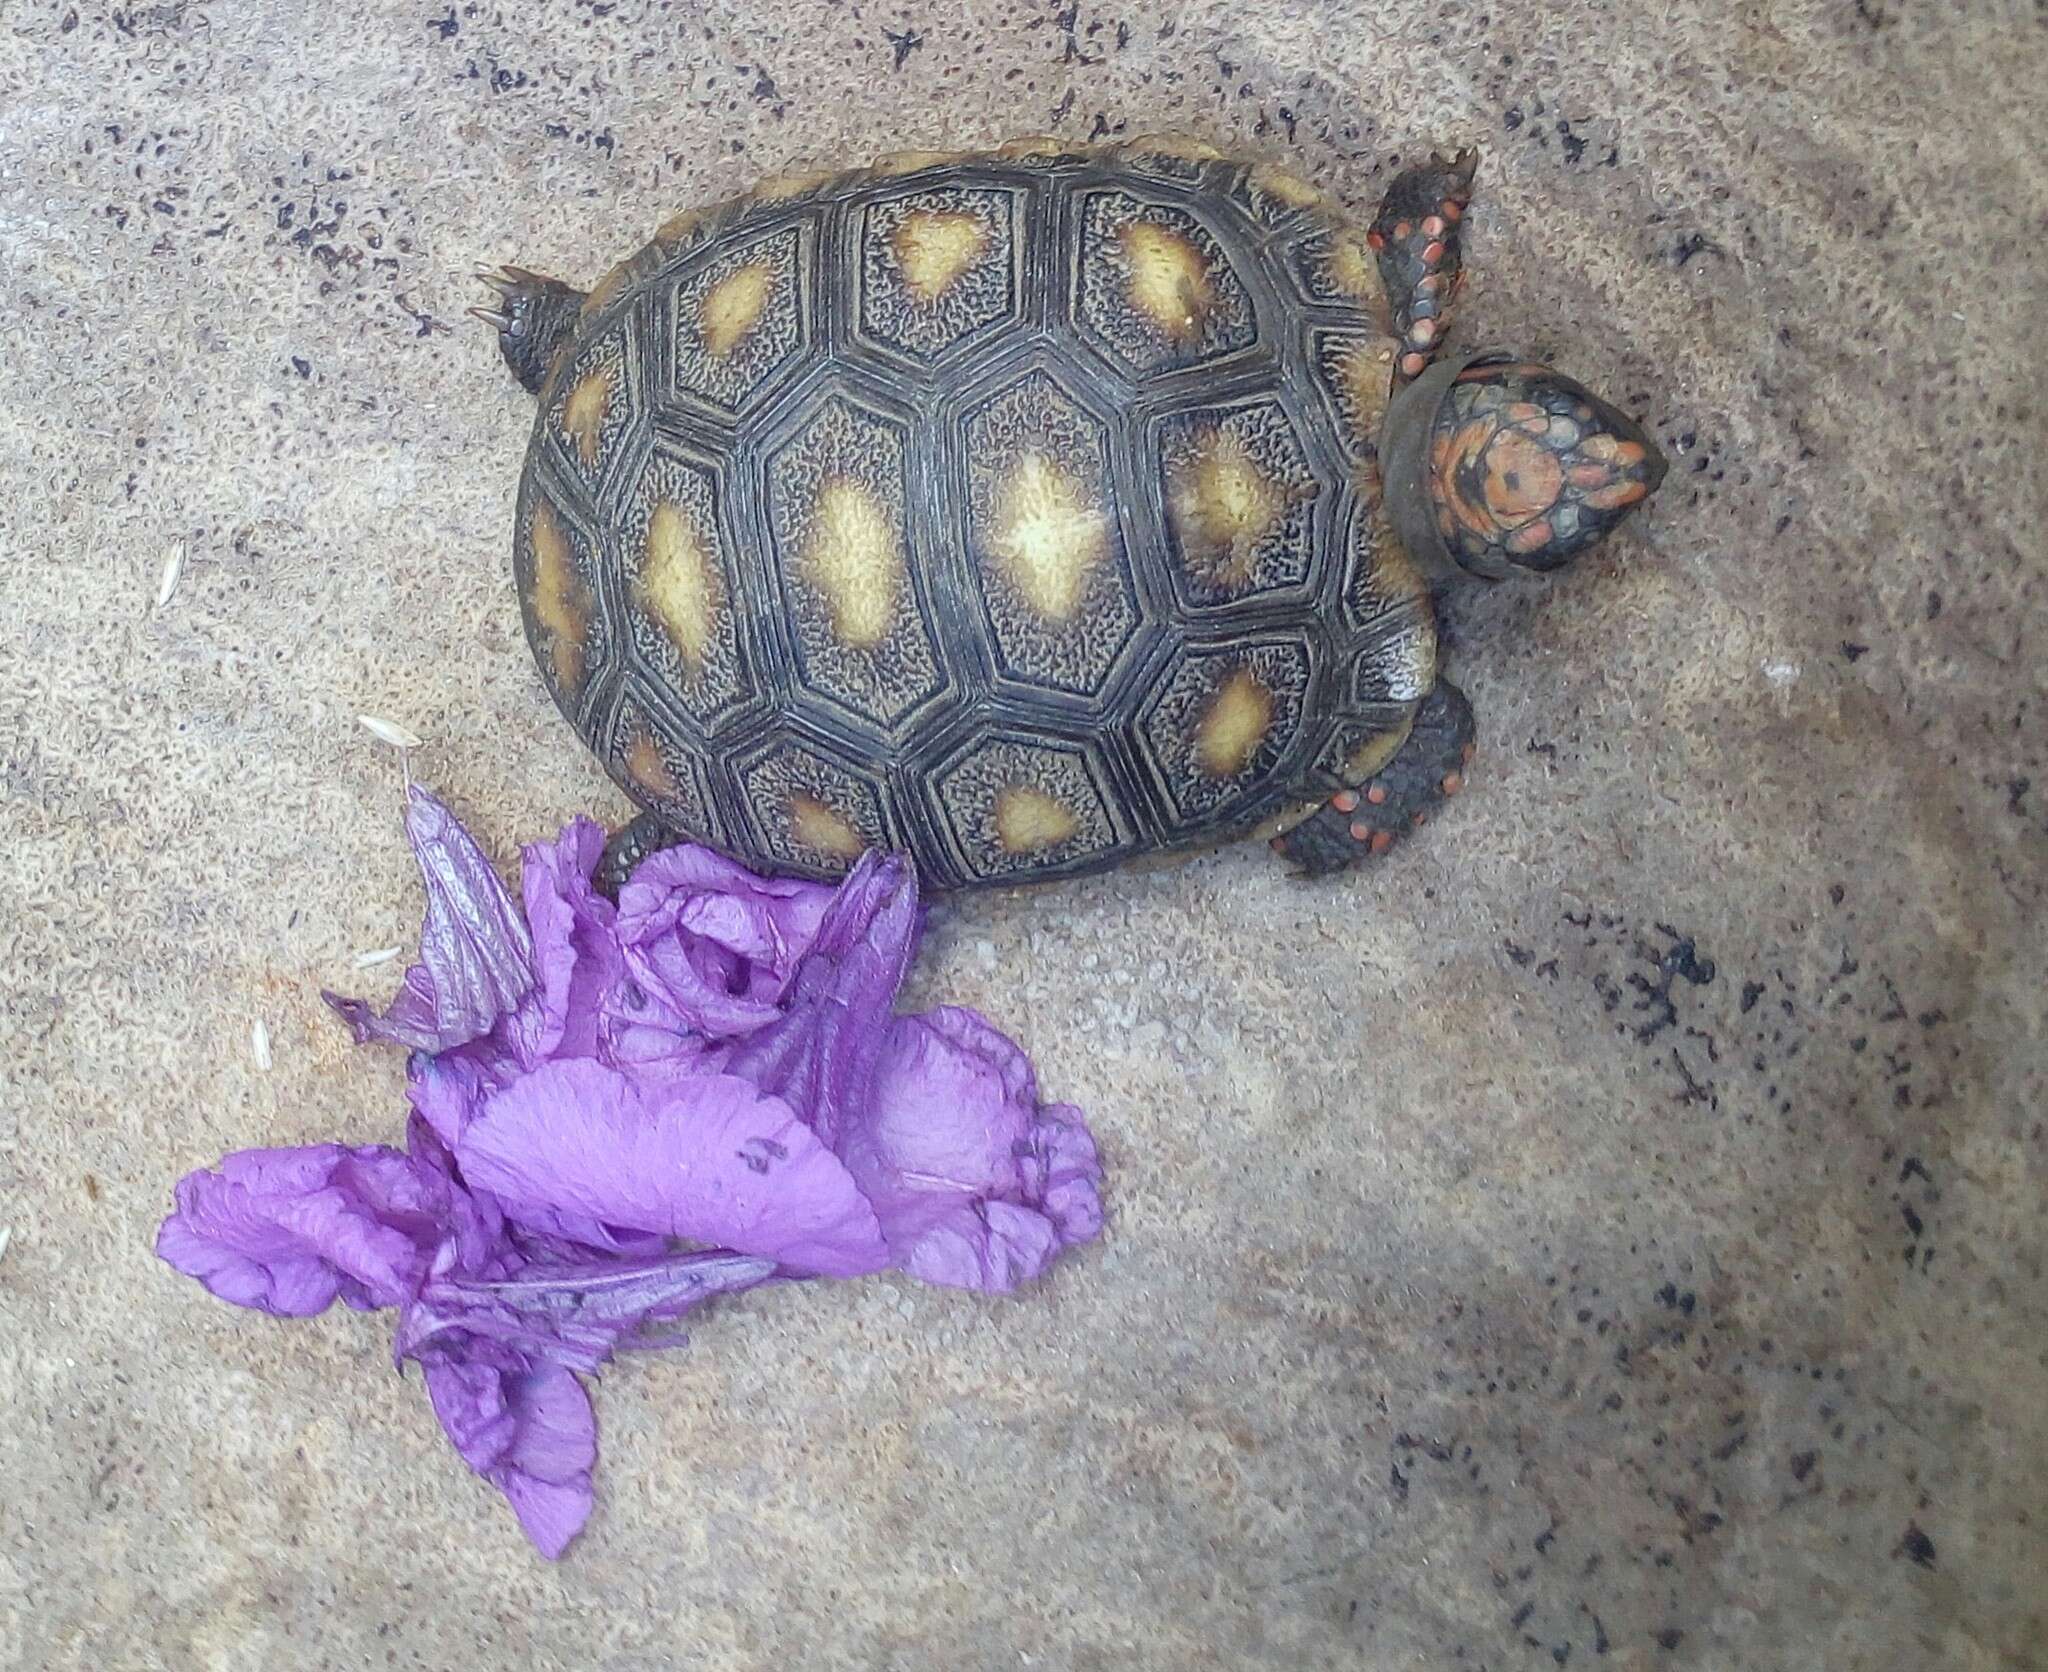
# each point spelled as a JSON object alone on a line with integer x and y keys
{"x": 1609, "y": 1233}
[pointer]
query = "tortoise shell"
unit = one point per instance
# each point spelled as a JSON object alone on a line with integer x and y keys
{"x": 1017, "y": 510}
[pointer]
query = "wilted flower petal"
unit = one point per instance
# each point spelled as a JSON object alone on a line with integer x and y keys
{"x": 714, "y": 942}
{"x": 447, "y": 1090}
{"x": 578, "y": 1310}
{"x": 476, "y": 957}
{"x": 711, "y": 1159}
{"x": 976, "y": 1185}
{"x": 820, "y": 1055}
{"x": 528, "y": 1429}
{"x": 288, "y": 1231}
{"x": 576, "y": 953}
{"x": 715, "y": 1061}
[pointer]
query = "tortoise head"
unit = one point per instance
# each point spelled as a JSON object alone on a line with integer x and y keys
{"x": 1494, "y": 465}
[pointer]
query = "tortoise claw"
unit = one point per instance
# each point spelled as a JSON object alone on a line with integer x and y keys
{"x": 506, "y": 279}
{"x": 533, "y": 316}
{"x": 1463, "y": 165}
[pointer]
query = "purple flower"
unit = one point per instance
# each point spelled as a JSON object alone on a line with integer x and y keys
{"x": 620, "y": 1113}
{"x": 711, "y": 1159}
{"x": 290, "y": 1231}
{"x": 713, "y": 943}
{"x": 977, "y": 1184}
{"x": 528, "y": 1429}
{"x": 476, "y": 957}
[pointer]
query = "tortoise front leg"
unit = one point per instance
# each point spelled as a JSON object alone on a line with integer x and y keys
{"x": 1427, "y": 769}
{"x": 1416, "y": 237}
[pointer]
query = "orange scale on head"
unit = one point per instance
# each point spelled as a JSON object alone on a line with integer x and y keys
{"x": 1617, "y": 496}
{"x": 1522, "y": 478}
{"x": 1533, "y": 538}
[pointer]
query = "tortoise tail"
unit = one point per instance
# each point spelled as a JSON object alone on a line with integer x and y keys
{"x": 533, "y": 317}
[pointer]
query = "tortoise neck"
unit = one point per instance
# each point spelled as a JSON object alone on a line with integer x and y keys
{"x": 1405, "y": 466}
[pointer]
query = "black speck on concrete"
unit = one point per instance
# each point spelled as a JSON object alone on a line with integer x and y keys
{"x": 1916, "y": 1545}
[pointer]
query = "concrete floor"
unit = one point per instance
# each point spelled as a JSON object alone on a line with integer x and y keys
{"x": 1610, "y": 1228}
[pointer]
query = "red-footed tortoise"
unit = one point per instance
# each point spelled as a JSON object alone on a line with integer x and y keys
{"x": 1032, "y": 509}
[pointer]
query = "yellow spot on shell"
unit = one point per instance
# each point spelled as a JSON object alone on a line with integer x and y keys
{"x": 1396, "y": 576}
{"x": 1183, "y": 147}
{"x": 1169, "y": 279}
{"x": 678, "y": 228}
{"x": 678, "y": 583}
{"x": 780, "y": 188}
{"x": 909, "y": 162}
{"x": 1284, "y": 186}
{"x": 1035, "y": 145}
{"x": 1352, "y": 268}
{"x": 733, "y": 307}
{"x": 1222, "y": 505}
{"x": 1285, "y": 820}
{"x": 605, "y": 289}
{"x": 933, "y": 249}
{"x": 853, "y": 555}
{"x": 558, "y": 601}
{"x": 583, "y": 414}
{"x": 1364, "y": 383}
{"x": 822, "y": 829}
{"x": 1049, "y": 538}
{"x": 1030, "y": 821}
{"x": 1367, "y": 759}
{"x": 648, "y": 767}
{"x": 1236, "y": 722}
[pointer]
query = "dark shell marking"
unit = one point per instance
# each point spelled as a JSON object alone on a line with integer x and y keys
{"x": 1016, "y": 510}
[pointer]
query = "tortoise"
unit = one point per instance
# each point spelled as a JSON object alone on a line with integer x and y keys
{"x": 1027, "y": 510}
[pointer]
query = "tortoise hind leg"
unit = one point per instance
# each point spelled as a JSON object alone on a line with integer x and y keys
{"x": 1416, "y": 237}
{"x": 1427, "y": 769}
{"x": 629, "y": 844}
{"x": 533, "y": 317}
